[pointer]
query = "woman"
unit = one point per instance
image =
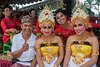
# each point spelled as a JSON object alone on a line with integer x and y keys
{"x": 48, "y": 46}
{"x": 64, "y": 28}
{"x": 82, "y": 49}
{"x": 8, "y": 25}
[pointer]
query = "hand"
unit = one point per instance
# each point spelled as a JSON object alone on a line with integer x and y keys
{"x": 25, "y": 46}
{"x": 14, "y": 31}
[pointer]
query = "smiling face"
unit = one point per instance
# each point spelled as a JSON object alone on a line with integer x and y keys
{"x": 27, "y": 28}
{"x": 60, "y": 18}
{"x": 47, "y": 29}
{"x": 79, "y": 28}
{"x": 7, "y": 12}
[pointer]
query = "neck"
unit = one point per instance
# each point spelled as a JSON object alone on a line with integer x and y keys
{"x": 82, "y": 36}
{"x": 26, "y": 37}
{"x": 49, "y": 36}
{"x": 7, "y": 17}
{"x": 64, "y": 25}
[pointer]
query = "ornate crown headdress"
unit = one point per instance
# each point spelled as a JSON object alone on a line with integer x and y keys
{"x": 46, "y": 17}
{"x": 80, "y": 14}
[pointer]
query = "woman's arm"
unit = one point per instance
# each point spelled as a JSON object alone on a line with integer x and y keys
{"x": 68, "y": 52}
{"x": 94, "y": 56}
{"x": 34, "y": 63}
{"x": 61, "y": 51}
{"x": 38, "y": 53}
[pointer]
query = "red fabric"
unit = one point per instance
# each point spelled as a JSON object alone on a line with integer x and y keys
{"x": 37, "y": 27}
{"x": 4, "y": 63}
{"x": 95, "y": 25}
{"x": 93, "y": 19}
{"x": 17, "y": 19}
{"x": 6, "y": 25}
{"x": 65, "y": 33}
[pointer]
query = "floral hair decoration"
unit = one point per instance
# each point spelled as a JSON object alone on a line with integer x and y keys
{"x": 80, "y": 14}
{"x": 46, "y": 17}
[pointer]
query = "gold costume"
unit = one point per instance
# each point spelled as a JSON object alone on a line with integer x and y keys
{"x": 49, "y": 52}
{"x": 81, "y": 51}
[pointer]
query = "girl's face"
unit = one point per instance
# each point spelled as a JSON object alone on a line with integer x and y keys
{"x": 79, "y": 28}
{"x": 60, "y": 18}
{"x": 7, "y": 12}
{"x": 33, "y": 13}
{"x": 47, "y": 29}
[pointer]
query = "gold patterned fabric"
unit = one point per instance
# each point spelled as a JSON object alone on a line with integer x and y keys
{"x": 49, "y": 52}
{"x": 81, "y": 51}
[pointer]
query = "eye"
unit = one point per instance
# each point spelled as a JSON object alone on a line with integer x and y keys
{"x": 80, "y": 24}
{"x": 74, "y": 25}
{"x": 57, "y": 18}
{"x": 49, "y": 27}
{"x": 44, "y": 27}
{"x": 61, "y": 15}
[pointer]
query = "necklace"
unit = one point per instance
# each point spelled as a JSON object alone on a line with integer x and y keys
{"x": 79, "y": 57}
{"x": 80, "y": 40}
{"x": 48, "y": 58}
{"x": 48, "y": 40}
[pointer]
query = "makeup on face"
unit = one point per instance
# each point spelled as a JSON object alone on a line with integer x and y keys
{"x": 80, "y": 24}
{"x": 47, "y": 27}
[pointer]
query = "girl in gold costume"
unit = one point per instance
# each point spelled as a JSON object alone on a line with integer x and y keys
{"x": 48, "y": 46}
{"x": 81, "y": 48}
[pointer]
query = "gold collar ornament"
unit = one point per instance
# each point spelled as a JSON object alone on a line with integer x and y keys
{"x": 80, "y": 14}
{"x": 46, "y": 17}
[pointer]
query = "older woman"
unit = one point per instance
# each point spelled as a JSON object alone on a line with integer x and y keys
{"x": 48, "y": 46}
{"x": 82, "y": 49}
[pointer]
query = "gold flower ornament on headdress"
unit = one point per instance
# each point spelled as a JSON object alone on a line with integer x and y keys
{"x": 80, "y": 14}
{"x": 46, "y": 17}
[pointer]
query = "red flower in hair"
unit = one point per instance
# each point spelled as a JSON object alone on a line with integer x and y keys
{"x": 78, "y": 12}
{"x": 46, "y": 14}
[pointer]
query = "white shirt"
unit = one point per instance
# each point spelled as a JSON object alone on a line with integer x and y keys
{"x": 17, "y": 44}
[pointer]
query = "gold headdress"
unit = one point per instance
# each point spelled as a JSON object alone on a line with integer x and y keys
{"x": 80, "y": 14}
{"x": 46, "y": 17}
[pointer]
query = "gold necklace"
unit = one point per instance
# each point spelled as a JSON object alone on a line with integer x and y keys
{"x": 48, "y": 40}
{"x": 48, "y": 58}
{"x": 80, "y": 41}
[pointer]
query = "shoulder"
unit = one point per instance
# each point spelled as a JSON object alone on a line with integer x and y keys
{"x": 71, "y": 38}
{"x": 17, "y": 35}
{"x": 3, "y": 21}
{"x": 33, "y": 35}
{"x": 57, "y": 37}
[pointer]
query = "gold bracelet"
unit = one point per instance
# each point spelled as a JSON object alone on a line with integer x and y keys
{"x": 37, "y": 48}
{"x": 55, "y": 65}
{"x": 67, "y": 48}
{"x": 95, "y": 52}
{"x": 60, "y": 45}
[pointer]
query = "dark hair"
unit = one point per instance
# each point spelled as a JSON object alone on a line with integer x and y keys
{"x": 59, "y": 10}
{"x": 89, "y": 10}
{"x": 5, "y": 6}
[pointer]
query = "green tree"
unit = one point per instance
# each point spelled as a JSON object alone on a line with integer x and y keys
{"x": 89, "y": 3}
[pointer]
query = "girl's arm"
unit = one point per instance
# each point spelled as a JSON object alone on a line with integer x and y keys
{"x": 68, "y": 52}
{"x": 61, "y": 52}
{"x": 38, "y": 53}
{"x": 94, "y": 55}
